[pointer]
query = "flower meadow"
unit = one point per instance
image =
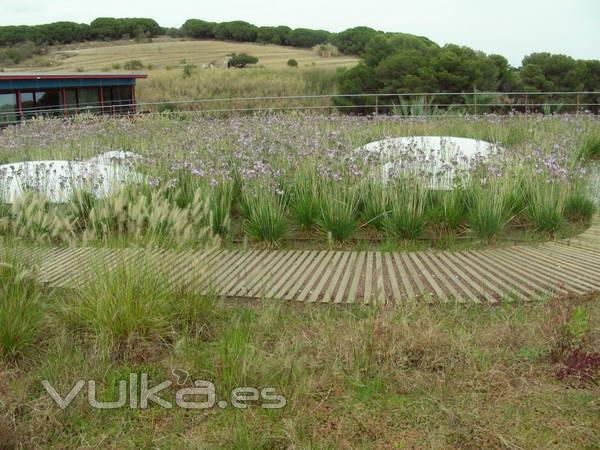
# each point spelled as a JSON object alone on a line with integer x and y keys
{"x": 289, "y": 180}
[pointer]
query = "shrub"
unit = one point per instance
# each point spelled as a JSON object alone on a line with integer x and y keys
{"x": 134, "y": 64}
{"x": 292, "y": 63}
{"x": 242, "y": 60}
{"x": 188, "y": 70}
{"x": 20, "y": 309}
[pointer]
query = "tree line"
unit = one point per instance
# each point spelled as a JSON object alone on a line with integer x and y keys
{"x": 391, "y": 62}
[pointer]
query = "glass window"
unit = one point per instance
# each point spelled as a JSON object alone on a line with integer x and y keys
{"x": 117, "y": 99}
{"x": 48, "y": 102}
{"x": 8, "y": 109}
{"x": 27, "y": 103}
{"x": 89, "y": 100}
{"x": 71, "y": 100}
{"x": 123, "y": 94}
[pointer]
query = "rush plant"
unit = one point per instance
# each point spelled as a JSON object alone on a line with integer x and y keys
{"x": 265, "y": 218}
{"x": 407, "y": 220}
{"x": 489, "y": 211}
{"x": 338, "y": 209}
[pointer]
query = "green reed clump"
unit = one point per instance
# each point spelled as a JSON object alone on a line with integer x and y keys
{"x": 590, "y": 147}
{"x": 338, "y": 204}
{"x": 374, "y": 202}
{"x": 304, "y": 197}
{"x": 579, "y": 207}
{"x": 264, "y": 213}
{"x": 118, "y": 309}
{"x": 447, "y": 210}
{"x": 21, "y": 309}
{"x": 220, "y": 202}
{"x": 407, "y": 219}
{"x": 489, "y": 210}
{"x": 546, "y": 203}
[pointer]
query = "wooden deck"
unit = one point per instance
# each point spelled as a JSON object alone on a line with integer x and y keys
{"x": 521, "y": 272}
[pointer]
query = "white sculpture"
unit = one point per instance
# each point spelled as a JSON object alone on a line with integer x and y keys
{"x": 439, "y": 159}
{"x": 58, "y": 179}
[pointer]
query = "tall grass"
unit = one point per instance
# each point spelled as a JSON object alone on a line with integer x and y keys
{"x": 304, "y": 197}
{"x": 129, "y": 306}
{"x": 21, "y": 309}
{"x": 166, "y": 86}
{"x": 338, "y": 203}
{"x": 264, "y": 215}
{"x": 447, "y": 209}
{"x": 578, "y": 205}
{"x": 407, "y": 219}
{"x": 546, "y": 204}
{"x": 151, "y": 218}
{"x": 374, "y": 202}
{"x": 590, "y": 146}
{"x": 489, "y": 210}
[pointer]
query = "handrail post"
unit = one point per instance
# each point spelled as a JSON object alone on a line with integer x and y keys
{"x": 578, "y": 104}
{"x": 376, "y": 105}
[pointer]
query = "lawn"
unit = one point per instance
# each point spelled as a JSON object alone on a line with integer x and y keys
{"x": 175, "y": 53}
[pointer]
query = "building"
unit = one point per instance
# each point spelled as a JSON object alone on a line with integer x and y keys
{"x": 24, "y": 95}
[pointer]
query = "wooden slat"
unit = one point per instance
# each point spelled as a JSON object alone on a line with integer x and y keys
{"x": 357, "y": 275}
{"x": 323, "y": 275}
{"x": 341, "y": 265}
{"x": 396, "y": 294}
{"x": 346, "y": 279}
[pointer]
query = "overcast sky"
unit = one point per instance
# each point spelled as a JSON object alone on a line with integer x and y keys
{"x": 512, "y": 28}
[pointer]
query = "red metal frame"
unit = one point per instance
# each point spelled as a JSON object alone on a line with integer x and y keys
{"x": 63, "y": 93}
{"x": 19, "y": 104}
{"x": 8, "y": 76}
{"x": 101, "y": 99}
{"x": 132, "y": 108}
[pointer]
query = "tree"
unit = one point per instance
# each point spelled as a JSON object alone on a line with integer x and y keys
{"x": 273, "y": 35}
{"x": 353, "y": 40}
{"x": 199, "y": 29}
{"x": 305, "y": 38}
{"x": 551, "y": 72}
{"x": 238, "y": 30}
{"x": 109, "y": 28}
{"x": 242, "y": 60}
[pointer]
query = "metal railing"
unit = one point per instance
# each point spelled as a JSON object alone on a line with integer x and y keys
{"x": 420, "y": 104}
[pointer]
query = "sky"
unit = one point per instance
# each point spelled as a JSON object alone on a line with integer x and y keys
{"x": 513, "y": 28}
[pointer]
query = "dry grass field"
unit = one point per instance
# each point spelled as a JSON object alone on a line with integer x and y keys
{"x": 167, "y": 52}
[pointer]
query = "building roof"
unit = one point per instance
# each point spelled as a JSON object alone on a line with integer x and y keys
{"x": 9, "y": 76}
